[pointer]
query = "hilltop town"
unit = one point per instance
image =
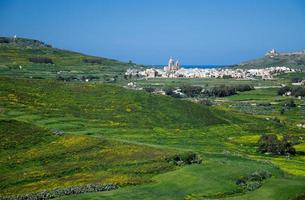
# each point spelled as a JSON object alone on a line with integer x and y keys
{"x": 273, "y": 57}
{"x": 174, "y": 70}
{"x": 273, "y": 53}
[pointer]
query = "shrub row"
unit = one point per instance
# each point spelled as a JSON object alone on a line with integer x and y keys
{"x": 76, "y": 78}
{"x": 191, "y": 91}
{"x": 295, "y": 91}
{"x": 186, "y": 90}
{"x": 92, "y": 60}
{"x": 223, "y": 90}
{"x": 62, "y": 192}
{"x": 5, "y": 40}
{"x": 41, "y": 60}
{"x": 197, "y": 91}
{"x": 253, "y": 181}
{"x": 186, "y": 158}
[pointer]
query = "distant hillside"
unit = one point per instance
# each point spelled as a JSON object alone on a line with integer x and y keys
{"x": 23, "y": 57}
{"x": 271, "y": 59}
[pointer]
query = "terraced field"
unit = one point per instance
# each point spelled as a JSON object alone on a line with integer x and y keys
{"x": 15, "y": 61}
{"x": 34, "y": 159}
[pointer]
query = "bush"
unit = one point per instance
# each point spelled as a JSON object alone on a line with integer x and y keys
{"x": 290, "y": 104}
{"x": 295, "y": 91}
{"x": 243, "y": 87}
{"x": 206, "y": 102}
{"x": 89, "y": 77}
{"x": 271, "y": 144}
{"x": 296, "y": 79}
{"x": 41, "y": 60}
{"x": 283, "y": 90}
{"x": 66, "y": 78}
{"x": 298, "y": 91}
{"x": 59, "y": 192}
{"x": 223, "y": 90}
{"x": 197, "y": 91}
{"x": 170, "y": 92}
{"x": 299, "y": 197}
{"x": 191, "y": 91}
{"x": 4, "y": 40}
{"x": 149, "y": 89}
{"x": 227, "y": 77}
{"x": 287, "y": 105}
{"x": 187, "y": 158}
{"x": 253, "y": 181}
{"x": 93, "y": 60}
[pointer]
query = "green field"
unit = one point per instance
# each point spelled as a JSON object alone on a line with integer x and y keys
{"x": 205, "y": 82}
{"x": 107, "y": 139}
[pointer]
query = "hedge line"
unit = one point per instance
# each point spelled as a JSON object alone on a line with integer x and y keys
{"x": 62, "y": 192}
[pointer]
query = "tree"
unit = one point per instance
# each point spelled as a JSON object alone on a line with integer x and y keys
{"x": 191, "y": 91}
{"x": 271, "y": 144}
{"x": 295, "y": 91}
{"x": 296, "y": 79}
{"x": 290, "y": 104}
{"x": 283, "y": 90}
{"x": 268, "y": 144}
{"x": 149, "y": 89}
{"x": 286, "y": 147}
{"x": 298, "y": 91}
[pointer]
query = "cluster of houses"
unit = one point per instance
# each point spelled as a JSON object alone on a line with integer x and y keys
{"x": 173, "y": 70}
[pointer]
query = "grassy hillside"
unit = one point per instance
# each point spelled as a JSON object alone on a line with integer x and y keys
{"x": 112, "y": 106}
{"x": 209, "y": 181}
{"x": 16, "y": 59}
{"x": 294, "y": 61}
{"x": 34, "y": 159}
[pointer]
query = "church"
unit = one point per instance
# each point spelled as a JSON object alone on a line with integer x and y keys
{"x": 172, "y": 65}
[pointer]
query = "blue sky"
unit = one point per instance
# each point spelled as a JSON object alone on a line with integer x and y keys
{"x": 149, "y": 31}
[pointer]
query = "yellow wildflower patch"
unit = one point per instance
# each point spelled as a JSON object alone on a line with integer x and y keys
{"x": 12, "y": 97}
{"x": 300, "y": 147}
{"x": 118, "y": 179}
{"x": 73, "y": 140}
{"x": 293, "y": 167}
{"x": 247, "y": 139}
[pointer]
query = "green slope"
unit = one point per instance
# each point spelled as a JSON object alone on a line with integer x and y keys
{"x": 111, "y": 106}
{"x": 18, "y": 52}
{"x": 294, "y": 61}
{"x": 34, "y": 159}
{"x": 210, "y": 181}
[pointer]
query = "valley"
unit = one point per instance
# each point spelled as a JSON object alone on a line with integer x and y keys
{"x": 63, "y": 133}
